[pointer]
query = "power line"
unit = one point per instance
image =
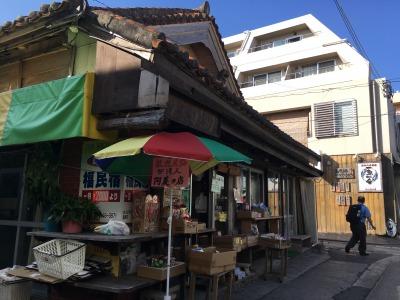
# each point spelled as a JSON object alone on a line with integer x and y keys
{"x": 288, "y": 93}
{"x": 354, "y": 37}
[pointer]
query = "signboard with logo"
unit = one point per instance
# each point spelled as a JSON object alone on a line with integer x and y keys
{"x": 370, "y": 177}
{"x": 344, "y": 173}
{"x": 113, "y": 194}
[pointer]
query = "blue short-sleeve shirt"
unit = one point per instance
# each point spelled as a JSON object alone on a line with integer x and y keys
{"x": 365, "y": 213}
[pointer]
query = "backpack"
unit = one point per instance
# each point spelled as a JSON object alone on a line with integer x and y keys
{"x": 353, "y": 215}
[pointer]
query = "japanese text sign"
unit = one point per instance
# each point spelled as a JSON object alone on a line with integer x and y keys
{"x": 170, "y": 172}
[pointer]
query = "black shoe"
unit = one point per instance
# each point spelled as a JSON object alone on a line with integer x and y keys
{"x": 364, "y": 254}
{"x": 347, "y": 250}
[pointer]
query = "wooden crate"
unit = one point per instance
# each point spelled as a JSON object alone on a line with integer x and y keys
{"x": 181, "y": 226}
{"x": 161, "y": 273}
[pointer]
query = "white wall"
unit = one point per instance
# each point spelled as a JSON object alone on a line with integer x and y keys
{"x": 352, "y": 82}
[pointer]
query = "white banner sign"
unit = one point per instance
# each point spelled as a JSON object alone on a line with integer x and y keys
{"x": 369, "y": 177}
{"x": 112, "y": 194}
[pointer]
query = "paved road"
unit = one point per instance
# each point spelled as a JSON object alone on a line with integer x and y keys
{"x": 340, "y": 277}
{"x": 388, "y": 286}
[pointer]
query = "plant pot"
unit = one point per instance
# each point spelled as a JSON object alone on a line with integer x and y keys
{"x": 51, "y": 226}
{"x": 71, "y": 227}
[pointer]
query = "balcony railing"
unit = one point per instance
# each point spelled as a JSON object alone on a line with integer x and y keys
{"x": 281, "y": 42}
{"x": 298, "y": 74}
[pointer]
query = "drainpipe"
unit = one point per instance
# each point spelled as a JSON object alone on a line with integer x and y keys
{"x": 377, "y": 148}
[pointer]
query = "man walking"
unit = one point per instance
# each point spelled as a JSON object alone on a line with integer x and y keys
{"x": 356, "y": 216}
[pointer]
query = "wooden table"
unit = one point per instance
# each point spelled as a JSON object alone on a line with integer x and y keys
{"x": 103, "y": 286}
{"x": 212, "y": 290}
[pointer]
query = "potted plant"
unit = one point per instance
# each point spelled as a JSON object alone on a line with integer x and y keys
{"x": 42, "y": 187}
{"x": 73, "y": 212}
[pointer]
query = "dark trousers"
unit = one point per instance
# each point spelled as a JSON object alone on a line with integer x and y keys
{"x": 359, "y": 234}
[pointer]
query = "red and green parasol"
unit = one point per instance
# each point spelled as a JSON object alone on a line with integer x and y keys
{"x": 133, "y": 156}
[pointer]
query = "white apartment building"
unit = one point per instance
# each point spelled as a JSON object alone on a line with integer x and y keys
{"x": 317, "y": 88}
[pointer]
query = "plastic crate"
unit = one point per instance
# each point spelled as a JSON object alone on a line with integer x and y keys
{"x": 60, "y": 258}
{"x": 16, "y": 291}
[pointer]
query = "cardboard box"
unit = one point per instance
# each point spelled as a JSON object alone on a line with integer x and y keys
{"x": 145, "y": 214}
{"x": 33, "y": 275}
{"x": 201, "y": 227}
{"x": 211, "y": 262}
{"x": 161, "y": 273}
{"x": 252, "y": 240}
{"x": 231, "y": 242}
{"x": 247, "y": 214}
{"x": 181, "y": 226}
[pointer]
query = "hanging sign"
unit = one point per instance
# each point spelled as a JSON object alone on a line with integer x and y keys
{"x": 112, "y": 194}
{"x": 344, "y": 173}
{"x": 169, "y": 172}
{"x": 217, "y": 184}
{"x": 369, "y": 177}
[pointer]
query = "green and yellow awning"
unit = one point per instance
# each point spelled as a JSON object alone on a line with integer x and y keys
{"x": 53, "y": 110}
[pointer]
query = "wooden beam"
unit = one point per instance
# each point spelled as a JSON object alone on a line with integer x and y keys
{"x": 144, "y": 120}
{"x": 192, "y": 115}
{"x": 264, "y": 147}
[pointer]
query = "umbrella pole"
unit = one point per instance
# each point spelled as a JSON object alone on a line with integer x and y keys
{"x": 167, "y": 295}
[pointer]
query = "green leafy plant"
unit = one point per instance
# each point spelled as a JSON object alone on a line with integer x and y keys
{"x": 80, "y": 210}
{"x": 42, "y": 174}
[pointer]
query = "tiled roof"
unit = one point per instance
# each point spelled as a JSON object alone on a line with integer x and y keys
{"x": 167, "y": 16}
{"x": 141, "y": 19}
{"x": 47, "y": 11}
{"x": 159, "y": 16}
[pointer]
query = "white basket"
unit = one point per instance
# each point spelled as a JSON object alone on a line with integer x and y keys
{"x": 60, "y": 258}
{"x": 16, "y": 291}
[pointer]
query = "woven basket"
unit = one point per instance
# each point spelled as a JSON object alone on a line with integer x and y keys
{"x": 60, "y": 258}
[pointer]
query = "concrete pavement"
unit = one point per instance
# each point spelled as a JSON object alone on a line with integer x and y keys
{"x": 333, "y": 274}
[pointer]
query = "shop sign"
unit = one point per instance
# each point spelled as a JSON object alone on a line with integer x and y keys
{"x": 113, "y": 194}
{"x": 169, "y": 172}
{"x": 217, "y": 184}
{"x": 344, "y": 173}
{"x": 369, "y": 177}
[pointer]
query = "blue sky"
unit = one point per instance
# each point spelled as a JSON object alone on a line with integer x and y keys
{"x": 375, "y": 22}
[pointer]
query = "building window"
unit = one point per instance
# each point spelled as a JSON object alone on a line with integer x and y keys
{"x": 252, "y": 186}
{"x": 326, "y": 66}
{"x": 274, "y": 77}
{"x": 260, "y": 79}
{"x": 336, "y": 119}
{"x": 318, "y": 68}
{"x": 310, "y": 70}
